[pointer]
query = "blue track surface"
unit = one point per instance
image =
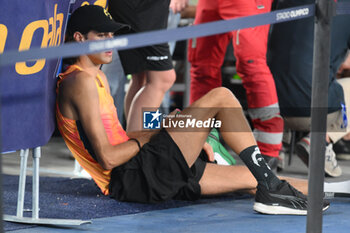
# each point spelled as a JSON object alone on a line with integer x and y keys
{"x": 224, "y": 216}
{"x": 66, "y": 198}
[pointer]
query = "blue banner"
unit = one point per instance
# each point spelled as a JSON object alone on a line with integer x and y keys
{"x": 27, "y": 89}
{"x": 78, "y": 3}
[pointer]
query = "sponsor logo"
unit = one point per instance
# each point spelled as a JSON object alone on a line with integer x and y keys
{"x": 157, "y": 58}
{"x": 156, "y": 120}
{"x": 292, "y": 14}
{"x": 108, "y": 44}
{"x": 191, "y": 123}
{"x": 255, "y": 160}
{"x": 295, "y": 202}
{"x": 151, "y": 119}
{"x": 51, "y": 32}
{"x": 107, "y": 14}
{"x": 102, "y": 3}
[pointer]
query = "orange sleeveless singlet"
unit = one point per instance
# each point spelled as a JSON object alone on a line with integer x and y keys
{"x": 73, "y": 138}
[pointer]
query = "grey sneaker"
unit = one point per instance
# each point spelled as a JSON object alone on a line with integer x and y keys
{"x": 331, "y": 165}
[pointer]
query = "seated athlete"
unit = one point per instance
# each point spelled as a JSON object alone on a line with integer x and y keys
{"x": 157, "y": 165}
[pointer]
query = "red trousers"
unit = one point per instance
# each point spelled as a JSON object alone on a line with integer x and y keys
{"x": 206, "y": 55}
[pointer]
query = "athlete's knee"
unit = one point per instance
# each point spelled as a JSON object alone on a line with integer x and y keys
{"x": 225, "y": 97}
{"x": 170, "y": 79}
{"x": 162, "y": 80}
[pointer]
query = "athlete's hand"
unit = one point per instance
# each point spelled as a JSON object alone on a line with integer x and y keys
{"x": 178, "y": 5}
{"x": 209, "y": 150}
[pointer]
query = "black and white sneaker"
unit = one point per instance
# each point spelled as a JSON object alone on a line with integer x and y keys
{"x": 284, "y": 200}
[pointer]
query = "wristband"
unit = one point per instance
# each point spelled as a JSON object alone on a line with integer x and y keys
{"x": 137, "y": 141}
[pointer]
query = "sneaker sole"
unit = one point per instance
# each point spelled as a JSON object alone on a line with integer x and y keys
{"x": 280, "y": 210}
{"x": 332, "y": 173}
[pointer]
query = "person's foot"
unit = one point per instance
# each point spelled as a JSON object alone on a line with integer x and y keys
{"x": 331, "y": 164}
{"x": 221, "y": 155}
{"x": 271, "y": 161}
{"x": 285, "y": 199}
{"x": 342, "y": 149}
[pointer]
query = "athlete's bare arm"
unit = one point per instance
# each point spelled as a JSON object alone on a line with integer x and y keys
{"x": 80, "y": 102}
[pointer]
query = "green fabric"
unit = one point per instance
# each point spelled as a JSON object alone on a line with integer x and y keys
{"x": 222, "y": 156}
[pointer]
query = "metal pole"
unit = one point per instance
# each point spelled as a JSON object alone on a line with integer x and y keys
{"x": 187, "y": 79}
{"x": 35, "y": 191}
{"x": 319, "y": 105}
{"x": 22, "y": 182}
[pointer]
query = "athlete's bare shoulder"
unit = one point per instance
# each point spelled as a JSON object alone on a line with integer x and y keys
{"x": 75, "y": 91}
{"x": 77, "y": 81}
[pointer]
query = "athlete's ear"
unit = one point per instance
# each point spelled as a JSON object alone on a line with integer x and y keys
{"x": 78, "y": 37}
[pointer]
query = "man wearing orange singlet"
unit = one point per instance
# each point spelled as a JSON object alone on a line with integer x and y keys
{"x": 158, "y": 165}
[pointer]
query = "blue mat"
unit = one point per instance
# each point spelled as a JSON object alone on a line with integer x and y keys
{"x": 80, "y": 199}
{"x": 225, "y": 216}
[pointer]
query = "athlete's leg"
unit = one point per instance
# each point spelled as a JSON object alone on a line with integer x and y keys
{"x": 136, "y": 83}
{"x": 150, "y": 96}
{"x": 218, "y": 179}
{"x": 221, "y": 104}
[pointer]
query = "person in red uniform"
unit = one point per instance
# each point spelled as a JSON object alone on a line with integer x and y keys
{"x": 206, "y": 56}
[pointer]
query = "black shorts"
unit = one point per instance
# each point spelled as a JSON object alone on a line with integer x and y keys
{"x": 142, "y": 16}
{"x": 157, "y": 173}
